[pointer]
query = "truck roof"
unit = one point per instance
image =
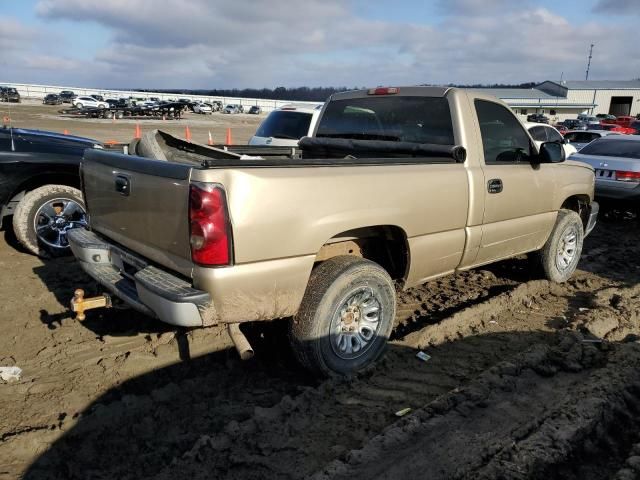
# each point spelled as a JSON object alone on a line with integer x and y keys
{"x": 420, "y": 91}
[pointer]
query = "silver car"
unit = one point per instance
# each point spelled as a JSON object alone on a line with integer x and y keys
{"x": 580, "y": 138}
{"x": 616, "y": 160}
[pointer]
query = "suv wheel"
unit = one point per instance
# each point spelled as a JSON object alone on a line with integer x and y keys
{"x": 345, "y": 318}
{"x": 43, "y": 217}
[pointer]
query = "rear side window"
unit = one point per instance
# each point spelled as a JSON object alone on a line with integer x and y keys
{"x": 553, "y": 135}
{"x": 503, "y": 138}
{"x": 285, "y": 124}
{"x": 538, "y": 134}
{"x": 613, "y": 148}
{"x": 581, "y": 137}
{"x": 391, "y": 118}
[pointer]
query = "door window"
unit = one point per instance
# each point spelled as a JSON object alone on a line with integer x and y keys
{"x": 503, "y": 138}
{"x": 538, "y": 134}
{"x": 553, "y": 135}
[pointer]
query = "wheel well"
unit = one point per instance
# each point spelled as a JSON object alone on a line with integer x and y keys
{"x": 55, "y": 178}
{"x": 384, "y": 244}
{"x": 580, "y": 205}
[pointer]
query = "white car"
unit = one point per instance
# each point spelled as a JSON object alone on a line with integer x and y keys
{"x": 88, "y": 102}
{"x": 286, "y": 125}
{"x": 202, "y": 108}
{"x": 546, "y": 133}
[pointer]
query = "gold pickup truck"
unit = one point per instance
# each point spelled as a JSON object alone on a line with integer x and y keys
{"x": 397, "y": 186}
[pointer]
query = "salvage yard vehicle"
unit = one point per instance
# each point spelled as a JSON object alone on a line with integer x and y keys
{"x": 581, "y": 138}
{"x": 255, "y": 110}
{"x": 88, "y": 102}
{"x": 202, "y": 108}
{"x": 233, "y": 108}
{"x": 52, "y": 99}
{"x": 397, "y": 186}
{"x": 9, "y": 94}
{"x": 616, "y": 160}
{"x": 39, "y": 187}
{"x": 67, "y": 96}
{"x": 287, "y": 125}
{"x": 546, "y": 133}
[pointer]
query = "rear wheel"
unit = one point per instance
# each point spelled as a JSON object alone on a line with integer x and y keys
{"x": 45, "y": 215}
{"x": 79, "y": 105}
{"x": 345, "y": 318}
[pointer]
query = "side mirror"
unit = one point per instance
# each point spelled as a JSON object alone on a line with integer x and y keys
{"x": 551, "y": 152}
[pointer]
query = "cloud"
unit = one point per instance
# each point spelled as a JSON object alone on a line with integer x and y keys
{"x": 617, "y": 7}
{"x": 216, "y": 43}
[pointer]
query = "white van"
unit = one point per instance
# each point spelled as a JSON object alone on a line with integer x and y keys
{"x": 286, "y": 125}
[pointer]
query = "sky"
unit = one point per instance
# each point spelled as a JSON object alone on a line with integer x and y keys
{"x": 195, "y": 44}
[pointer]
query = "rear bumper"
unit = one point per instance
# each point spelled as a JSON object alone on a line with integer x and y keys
{"x": 593, "y": 217}
{"x": 144, "y": 287}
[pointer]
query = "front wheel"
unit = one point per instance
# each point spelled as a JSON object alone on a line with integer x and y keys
{"x": 559, "y": 257}
{"x": 45, "y": 215}
{"x": 345, "y": 318}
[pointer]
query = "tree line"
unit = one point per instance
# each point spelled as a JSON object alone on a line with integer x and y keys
{"x": 311, "y": 94}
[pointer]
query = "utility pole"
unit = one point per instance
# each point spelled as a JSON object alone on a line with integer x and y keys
{"x": 589, "y": 62}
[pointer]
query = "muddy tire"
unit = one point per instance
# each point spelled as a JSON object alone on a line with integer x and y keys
{"x": 559, "y": 257}
{"x": 48, "y": 202}
{"x": 345, "y": 318}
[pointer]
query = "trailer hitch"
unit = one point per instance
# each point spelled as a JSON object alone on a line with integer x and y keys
{"x": 79, "y": 304}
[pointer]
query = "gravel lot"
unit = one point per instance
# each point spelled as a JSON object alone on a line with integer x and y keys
{"x": 526, "y": 380}
{"x": 33, "y": 114}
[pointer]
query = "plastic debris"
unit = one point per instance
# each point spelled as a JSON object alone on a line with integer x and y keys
{"x": 423, "y": 356}
{"x": 10, "y": 374}
{"x": 403, "y": 412}
{"x": 583, "y": 309}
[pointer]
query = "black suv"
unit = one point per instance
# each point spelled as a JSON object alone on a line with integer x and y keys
{"x": 67, "y": 96}
{"x": 537, "y": 118}
{"x": 9, "y": 94}
{"x": 52, "y": 99}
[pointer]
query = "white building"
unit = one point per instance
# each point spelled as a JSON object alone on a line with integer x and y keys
{"x": 562, "y": 100}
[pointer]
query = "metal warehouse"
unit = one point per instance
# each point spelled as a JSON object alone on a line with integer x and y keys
{"x": 566, "y": 99}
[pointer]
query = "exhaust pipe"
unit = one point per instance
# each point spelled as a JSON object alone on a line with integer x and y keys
{"x": 240, "y": 341}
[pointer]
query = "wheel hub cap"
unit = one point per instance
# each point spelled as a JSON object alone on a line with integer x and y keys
{"x": 567, "y": 249}
{"x": 55, "y": 218}
{"x": 355, "y": 323}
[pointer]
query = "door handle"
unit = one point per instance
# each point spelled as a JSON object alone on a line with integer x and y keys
{"x": 494, "y": 185}
{"x": 122, "y": 185}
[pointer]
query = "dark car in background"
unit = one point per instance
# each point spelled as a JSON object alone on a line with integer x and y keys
{"x": 52, "y": 99}
{"x": 537, "y": 118}
{"x": 9, "y": 94}
{"x": 255, "y": 110}
{"x": 40, "y": 187}
{"x": 574, "y": 124}
{"x": 67, "y": 96}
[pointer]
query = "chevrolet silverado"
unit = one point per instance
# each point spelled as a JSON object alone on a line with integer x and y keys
{"x": 395, "y": 187}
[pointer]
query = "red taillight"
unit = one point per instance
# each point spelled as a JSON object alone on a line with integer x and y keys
{"x": 384, "y": 91}
{"x": 624, "y": 176}
{"x": 209, "y": 225}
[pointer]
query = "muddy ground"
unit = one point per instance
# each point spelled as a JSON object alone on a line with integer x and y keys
{"x": 33, "y": 114}
{"x": 526, "y": 380}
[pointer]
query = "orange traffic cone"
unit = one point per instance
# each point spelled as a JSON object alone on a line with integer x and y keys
{"x": 66, "y": 132}
{"x": 164, "y": 117}
{"x": 138, "y": 133}
{"x": 113, "y": 117}
{"x": 210, "y": 142}
{"x": 6, "y": 121}
{"x": 228, "y": 141}
{"x": 187, "y": 133}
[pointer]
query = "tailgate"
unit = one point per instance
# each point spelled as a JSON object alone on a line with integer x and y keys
{"x": 140, "y": 203}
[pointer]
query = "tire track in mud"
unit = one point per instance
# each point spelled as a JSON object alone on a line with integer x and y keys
{"x": 241, "y": 422}
{"x": 570, "y": 411}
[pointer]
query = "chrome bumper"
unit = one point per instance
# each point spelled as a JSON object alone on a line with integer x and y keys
{"x": 144, "y": 287}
